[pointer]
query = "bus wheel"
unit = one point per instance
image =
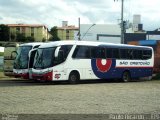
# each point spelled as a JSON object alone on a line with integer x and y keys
{"x": 74, "y": 78}
{"x": 126, "y": 76}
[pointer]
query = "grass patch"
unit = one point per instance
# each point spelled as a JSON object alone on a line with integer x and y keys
{"x": 1, "y": 53}
{"x": 2, "y": 74}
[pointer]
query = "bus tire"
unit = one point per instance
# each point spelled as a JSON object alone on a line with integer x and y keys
{"x": 74, "y": 77}
{"x": 126, "y": 76}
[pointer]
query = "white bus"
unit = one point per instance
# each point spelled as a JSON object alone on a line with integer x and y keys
{"x": 23, "y": 61}
{"x": 8, "y": 59}
{"x": 81, "y": 60}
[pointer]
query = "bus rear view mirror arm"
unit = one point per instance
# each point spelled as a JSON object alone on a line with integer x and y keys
{"x": 14, "y": 54}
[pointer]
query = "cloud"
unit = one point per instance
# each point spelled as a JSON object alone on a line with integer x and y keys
{"x": 53, "y": 12}
{"x": 1, "y": 18}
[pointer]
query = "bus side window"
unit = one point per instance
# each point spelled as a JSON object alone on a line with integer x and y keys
{"x": 123, "y": 53}
{"x": 108, "y": 52}
{"x": 112, "y": 53}
{"x": 66, "y": 49}
{"x": 135, "y": 54}
{"x": 139, "y": 54}
{"x": 147, "y": 54}
{"x": 130, "y": 54}
{"x": 115, "y": 53}
{"x": 97, "y": 52}
{"x": 82, "y": 52}
{"x": 103, "y": 53}
{"x": 93, "y": 52}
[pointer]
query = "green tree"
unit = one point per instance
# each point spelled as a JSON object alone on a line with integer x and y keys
{"x": 4, "y": 32}
{"x": 44, "y": 40}
{"x": 12, "y": 36}
{"x": 30, "y": 39}
{"x": 21, "y": 38}
{"x": 54, "y": 34}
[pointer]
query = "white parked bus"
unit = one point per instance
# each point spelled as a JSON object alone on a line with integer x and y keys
{"x": 8, "y": 58}
{"x": 81, "y": 60}
{"x": 23, "y": 62}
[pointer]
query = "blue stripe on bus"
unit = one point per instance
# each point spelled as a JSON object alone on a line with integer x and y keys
{"x": 116, "y": 72}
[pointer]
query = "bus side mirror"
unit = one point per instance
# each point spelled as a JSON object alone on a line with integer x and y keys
{"x": 14, "y": 54}
{"x": 57, "y": 52}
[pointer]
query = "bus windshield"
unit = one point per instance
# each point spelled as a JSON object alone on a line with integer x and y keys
{"x": 21, "y": 61}
{"x": 44, "y": 58}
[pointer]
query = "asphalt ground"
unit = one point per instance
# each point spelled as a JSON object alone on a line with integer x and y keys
{"x": 18, "y": 96}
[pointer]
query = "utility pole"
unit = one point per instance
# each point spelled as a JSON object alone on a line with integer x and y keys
{"x": 122, "y": 22}
{"x": 79, "y": 32}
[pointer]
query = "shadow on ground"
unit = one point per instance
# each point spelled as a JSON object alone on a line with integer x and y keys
{"x": 9, "y": 82}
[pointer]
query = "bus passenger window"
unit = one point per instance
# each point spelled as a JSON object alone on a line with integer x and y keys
{"x": 103, "y": 53}
{"x": 115, "y": 53}
{"x": 147, "y": 54}
{"x": 135, "y": 55}
{"x": 97, "y": 52}
{"x": 112, "y": 53}
{"x": 139, "y": 54}
{"x": 82, "y": 52}
{"x": 66, "y": 49}
{"x": 109, "y": 52}
{"x": 130, "y": 54}
{"x": 123, "y": 53}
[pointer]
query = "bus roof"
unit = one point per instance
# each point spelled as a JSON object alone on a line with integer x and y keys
{"x": 86, "y": 43}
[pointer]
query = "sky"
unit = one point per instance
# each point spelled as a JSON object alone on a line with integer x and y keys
{"x": 53, "y": 12}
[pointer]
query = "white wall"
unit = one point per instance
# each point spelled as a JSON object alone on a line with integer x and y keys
{"x": 1, "y": 49}
{"x": 1, "y": 58}
{"x": 89, "y": 33}
{"x": 76, "y": 35}
{"x": 153, "y": 37}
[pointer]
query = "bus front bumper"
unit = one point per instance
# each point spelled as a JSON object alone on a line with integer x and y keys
{"x": 43, "y": 76}
{"x": 24, "y": 75}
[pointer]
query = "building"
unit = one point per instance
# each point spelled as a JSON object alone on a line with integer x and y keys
{"x": 66, "y": 32}
{"x": 38, "y": 31}
{"x": 136, "y": 25}
{"x": 111, "y": 33}
{"x": 100, "y": 32}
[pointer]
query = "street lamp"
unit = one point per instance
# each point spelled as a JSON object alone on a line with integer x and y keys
{"x": 88, "y": 30}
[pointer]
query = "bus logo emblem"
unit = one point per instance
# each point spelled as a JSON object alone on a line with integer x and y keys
{"x": 103, "y": 65}
{"x": 103, "y": 68}
{"x": 57, "y": 76}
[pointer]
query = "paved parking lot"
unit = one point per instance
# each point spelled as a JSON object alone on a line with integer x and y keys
{"x": 27, "y": 97}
